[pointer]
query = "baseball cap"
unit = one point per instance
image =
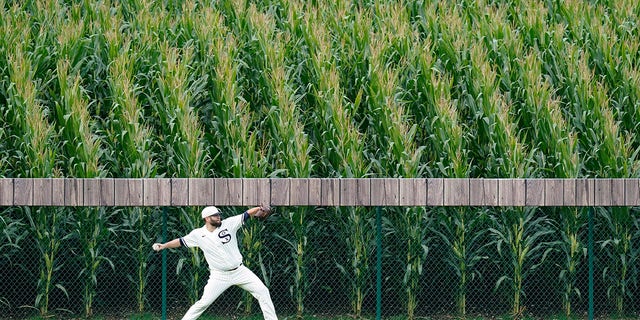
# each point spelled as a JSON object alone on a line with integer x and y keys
{"x": 209, "y": 211}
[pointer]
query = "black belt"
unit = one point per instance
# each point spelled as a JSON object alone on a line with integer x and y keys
{"x": 236, "y": 268}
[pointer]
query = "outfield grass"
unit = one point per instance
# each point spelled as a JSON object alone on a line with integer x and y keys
{"x": 343, "y": 317}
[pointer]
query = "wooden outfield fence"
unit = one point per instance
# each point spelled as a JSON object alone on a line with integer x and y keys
{"x": 318, "y": 192}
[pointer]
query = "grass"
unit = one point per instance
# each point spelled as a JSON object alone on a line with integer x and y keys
{"x": 151, "y": 316}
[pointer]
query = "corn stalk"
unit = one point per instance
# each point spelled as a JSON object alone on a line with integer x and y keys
{"x": 461, "y": 229}
{"x": 610, "y": 153}
{"x": 4, "y": 157}
{"x": 182, "y": 135}
{"x": 12, "y": 229}
{"x": 616, "y": 159}
{"x": 13, "y": 232}
{"x": 170, "y": 89}
{"x": 518, "y": 230}
{"x": 440, "y": 81}
{"x": 290, "y": 147}
{"x": 230, "y": 115}
{"x": 34, "y": 137}
{"x": 559, "y": 143}
{"x": 27, "y": 113}
{"x": 610, "y": 44}
{"x": 397, "y": 152}
{"x": 134, "y": 158}
{"x": 83, "y": 150}
{"x": 518, "y": 235}
{"x": 621, "y": 271}
{"x": 339, "y": 141}
{"x": 542, "y": 119}
{"x": 337, "y": 135}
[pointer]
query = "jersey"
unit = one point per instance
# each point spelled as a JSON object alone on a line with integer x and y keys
{"x": 220, "y": 247}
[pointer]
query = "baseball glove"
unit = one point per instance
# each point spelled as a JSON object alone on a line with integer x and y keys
{"x": 264, "y": 212}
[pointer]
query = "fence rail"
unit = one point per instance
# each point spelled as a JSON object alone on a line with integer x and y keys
{"x": 174, "y": 192}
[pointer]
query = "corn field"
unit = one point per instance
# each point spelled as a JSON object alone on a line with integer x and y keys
{"x": 348, "y": 89}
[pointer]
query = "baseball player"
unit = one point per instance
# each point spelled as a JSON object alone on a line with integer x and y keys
{"x": 217, "y": 240}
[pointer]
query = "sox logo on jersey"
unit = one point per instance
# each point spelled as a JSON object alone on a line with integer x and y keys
{"x": 225, "y": 236}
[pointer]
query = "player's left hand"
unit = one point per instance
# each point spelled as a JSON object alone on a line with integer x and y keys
{"x": 157, "y": 246}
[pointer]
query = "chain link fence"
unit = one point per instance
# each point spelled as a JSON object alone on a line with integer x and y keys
{"x": 434, "y": 262}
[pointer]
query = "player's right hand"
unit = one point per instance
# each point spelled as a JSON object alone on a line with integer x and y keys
{"x": 157, "y": 246}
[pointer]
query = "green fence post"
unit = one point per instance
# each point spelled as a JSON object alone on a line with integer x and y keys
{"x": 164, "y": 264}
{"x": 378, "y": 263}
{"x": 590, "y": 249}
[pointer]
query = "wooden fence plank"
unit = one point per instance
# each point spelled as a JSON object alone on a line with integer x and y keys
{"x": 385, "y": 191}
{"x": 73, "y": 192}
{"x": 42, "y": 192}
{"x": 617, "y": 192}
{"x": 632, "y": 192}
{"x": 519, "y": 192}
{"x": 435, "y": 191}
{"x": 553, "y": 195}
{"x": 255, "y": 191}
{"x": 602, "y": 192}
{"x": 315, "y": 187}
{"x": 129, "y": 192}
{"x": 107, "y": 192}
{"x": 263, "y": 194}
{"x": 569, "y": 192}
{"x": 476, "y": 192}
{"x": 201, "y": 192}
{"x": 505, "y": 192}
{"x": 228, "y": 191}
{"x": 585, "y": 192}
{"x": 483, "y": 192}
{"x": 456, "y": 192}
{"x": 234, "y": 192}
{"x": 23, "y": 192}
{"x": 299, "y": 192}
{"x": 512, "y": 192}
{"x": 392, "y": 190}
{"x": 348, "y": 191}
{"x": 377, "y": 191}
{"x": 280, "y": 191}
{"x": 6, "y": 192}
{"x": 157, "y": 192}
{"x": 363, "y": 192}
{"x": 413, "y": 192}
{"x": 535, "y": 192}
{"x": 330, "y": 191}
{"x": 491, "y": 192}
{"x": 165, "y": 191}
{"x": 57, "y": 196}
{"x": 136, "y": 191}
{"x": 151, "y": 192}
{"x": 179, "y": 191}
{"x": 91, "y": 192}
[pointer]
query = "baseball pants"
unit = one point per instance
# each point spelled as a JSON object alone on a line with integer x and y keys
{"x": 219, "y": 281}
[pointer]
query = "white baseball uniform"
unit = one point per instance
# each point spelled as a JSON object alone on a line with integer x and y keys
{"x": 220, "y": 249}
